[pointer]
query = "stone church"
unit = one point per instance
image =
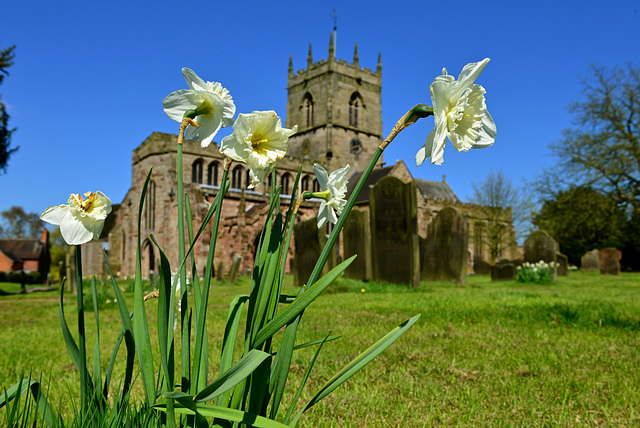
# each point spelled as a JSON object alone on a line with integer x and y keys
{"x": 337, "y": 107}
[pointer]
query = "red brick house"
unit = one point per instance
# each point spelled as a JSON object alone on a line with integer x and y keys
{"x": 26, "y": 254}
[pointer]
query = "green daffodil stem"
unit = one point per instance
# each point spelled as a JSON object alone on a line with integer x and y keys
{"x": 410, "y": 117}
{"x": 84, "y": 379}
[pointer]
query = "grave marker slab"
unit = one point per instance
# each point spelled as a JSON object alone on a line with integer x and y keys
{"x": 394, "y": 232}
{"x": 563, "y": 265}
{"x": 235, "y": 267}
{"x": 220, "y": 272}
{"x": 541, "y": 246}
{"x": 446, "y": 248}
{"x": 590, "y": 261}
{"x": 309, "y": 242}
{"x": 503, "y": 271}
{"x": 610, "y": 261}
{"x": 356, "y": 240}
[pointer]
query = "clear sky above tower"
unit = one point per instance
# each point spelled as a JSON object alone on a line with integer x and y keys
{"x": 89, "y": 77}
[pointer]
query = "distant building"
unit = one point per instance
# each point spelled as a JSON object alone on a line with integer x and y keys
{"x": 337, "y": 107}
{"x": 26, "y": 254}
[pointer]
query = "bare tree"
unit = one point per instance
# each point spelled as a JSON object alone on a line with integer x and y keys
{"x": 602, "y": 148}
{"x": 501, "y": 203}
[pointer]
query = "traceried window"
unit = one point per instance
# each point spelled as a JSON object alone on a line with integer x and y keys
{"x": 150, "y": 206}
{"x": 307, "y": 109}
{"x": 285, "y": 183}
{"x": 355, "y": 105}
{"x": 236, "y": 177}
{"x": 196, "y": 171}
{"x": 316, "y": 185}
{"x": 212, "y": 174}
{"x": 306, "y": 183}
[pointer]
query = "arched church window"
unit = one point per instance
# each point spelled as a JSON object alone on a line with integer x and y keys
{"x": 196, "y": 171}
{"x": 306, "y": 182}
{"x": 307, "y": 108}
{"x": 150, "y": 206}
{"x": 355, "y": 103}
{"x": 247, "y": 179}
{"x": 316, "y": 185}
{"x": 236, "y": 177}
{"x": 285, "y": 182}
{"x": 212, "y": 176}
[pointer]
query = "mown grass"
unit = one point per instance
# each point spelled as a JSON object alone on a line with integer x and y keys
{"x": 484, "y": 354}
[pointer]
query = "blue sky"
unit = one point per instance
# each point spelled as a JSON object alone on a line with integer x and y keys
{"x": 89, "y": 77}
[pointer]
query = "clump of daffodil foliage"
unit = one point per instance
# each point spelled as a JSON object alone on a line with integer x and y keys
{"x": 249, "y": 389}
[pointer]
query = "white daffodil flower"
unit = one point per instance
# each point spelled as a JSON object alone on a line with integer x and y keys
{"x": 212, "y": 103}
{"x": 259, "y": 140}
{"x": 459, "y": 113}
{"x": 82, "y": 219}
{"x": 334, "y": 188}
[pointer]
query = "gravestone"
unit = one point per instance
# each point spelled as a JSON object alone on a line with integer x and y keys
{"x": 610, "y": 261}
{"x": 563, "y": 264}
{"x": 394, "y": 232}
{"x": 590, "y": 261}
{"x": 356, "y": 240}
{"x": 446, "y": 245}
{"x": 480, "y": 267}
{"x": 309, "y": 242}
{"x": 541, "y": 246}
{"x": 220, "y": 272}
{"x": 504, "y": 270}
{"x": 235, "y": 268}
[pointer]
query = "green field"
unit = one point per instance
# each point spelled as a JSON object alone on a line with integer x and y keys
{"x": 483, "y": 354}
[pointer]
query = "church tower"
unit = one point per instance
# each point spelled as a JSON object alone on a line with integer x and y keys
{"x": 337, "y": 107}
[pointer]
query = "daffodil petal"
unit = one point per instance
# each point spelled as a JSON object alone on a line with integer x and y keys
{"x": 487, "y": 132}
{"x": 73, "y": 230}
{"x": 193, "y": 80}
{"x": 55, "y": 214}
{"x": 425, "y": 151}
{"x": 228, "y": 110}
{"x": 321, "y": 174}
{"x": 323, "y": 213}
{"x": 468, "y": 75}
{"x": 177, "y": 103}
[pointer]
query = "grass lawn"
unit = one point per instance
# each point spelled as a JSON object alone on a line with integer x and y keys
{"x": 483, "y": 354}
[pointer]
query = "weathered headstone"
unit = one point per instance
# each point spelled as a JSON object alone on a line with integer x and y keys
{"x": 235, "y": 267}
{"x": 590, "y": 261}
{"x": 445, "y": 255}
{"x": 541, "y": 246}
{"x": 562, "y": 265}
{"x": 504, "y": 270}
{"x": 309, "y": 241}
{"x": 220, "y": 271}
{"x": 394, "y": 232}
{"x": 356, "y": 240}
{"x": 480, "y": 267}
{"x": 610, "y": 261}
